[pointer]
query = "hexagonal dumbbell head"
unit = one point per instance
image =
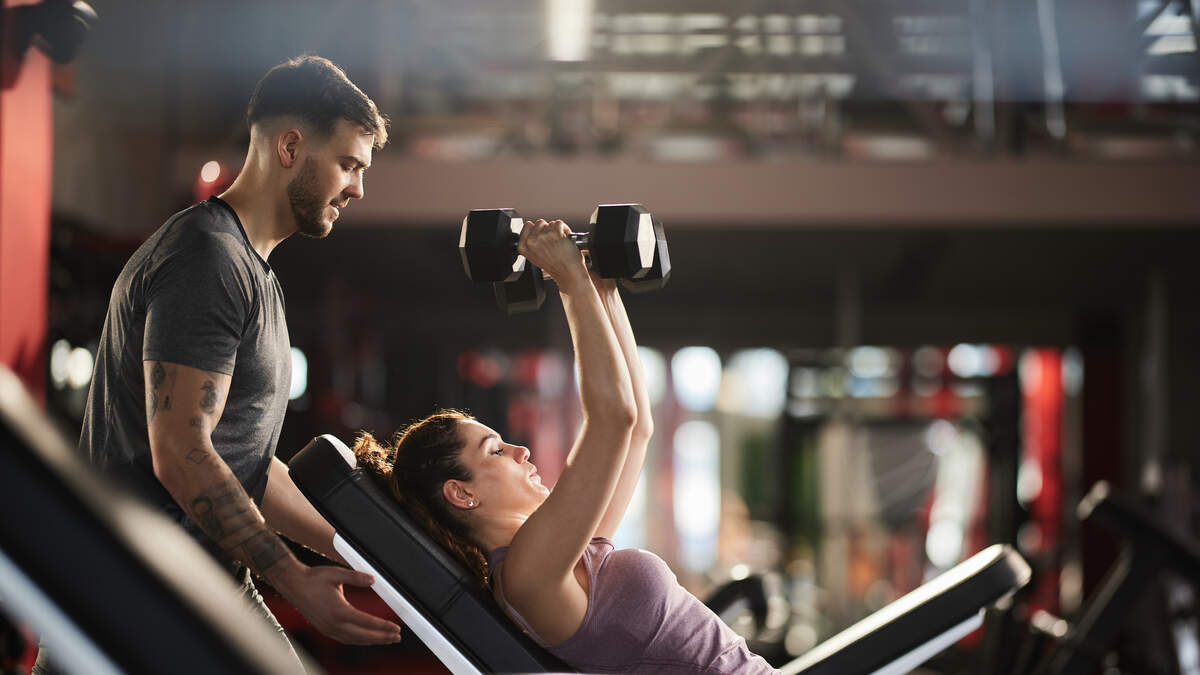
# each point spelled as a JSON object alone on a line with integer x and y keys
{"x": 660, "y": 272}
{"x": 622, "y": 241}
{"x": 487, "y": 245}
{"x": 526, "y": 293}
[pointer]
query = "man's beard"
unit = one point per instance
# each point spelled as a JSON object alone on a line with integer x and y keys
{"x": 306, "y": 202}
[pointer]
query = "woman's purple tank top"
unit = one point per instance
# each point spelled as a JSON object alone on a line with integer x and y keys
{"x": 640, "y": 620}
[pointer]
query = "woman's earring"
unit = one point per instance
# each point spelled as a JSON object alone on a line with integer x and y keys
{"x": 471, "y": 503}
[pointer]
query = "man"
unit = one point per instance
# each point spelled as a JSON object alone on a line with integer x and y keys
{"x": 194, "y": 365}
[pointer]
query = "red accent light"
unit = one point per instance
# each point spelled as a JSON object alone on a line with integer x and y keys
{"x": 214, "y": 185}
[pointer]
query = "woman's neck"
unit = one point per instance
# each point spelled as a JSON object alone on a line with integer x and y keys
{"x": 498, "y": 531}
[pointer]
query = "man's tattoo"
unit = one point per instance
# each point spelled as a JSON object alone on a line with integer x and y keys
{"x": 159, "y": 375}
{"x": 198, "y": 456}
{"x": 208, "y": 402}
{"x": 223, "y": 509}
{"x": 227, "y": 515}
{"x": 205, "y": 516}
{"x": 264, "y": 550}
{"x": 198, "y": 430}
{"x": 171, "y": 375}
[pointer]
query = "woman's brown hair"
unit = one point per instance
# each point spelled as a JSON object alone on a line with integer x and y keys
{"x": 422, "y": 457}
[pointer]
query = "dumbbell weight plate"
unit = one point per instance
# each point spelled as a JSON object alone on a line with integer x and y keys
{"x": 622, "y": 241}
{"x": 659, "y": 273}
{"x": 526, "y": 293}
{"x": 485, "y": 245}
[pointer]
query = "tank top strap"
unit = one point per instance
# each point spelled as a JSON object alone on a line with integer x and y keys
{"x": 593, "y": 559}
{"x": 509, "y": 609}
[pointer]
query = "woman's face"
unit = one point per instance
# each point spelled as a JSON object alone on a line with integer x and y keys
{"x": 504, "y": 481}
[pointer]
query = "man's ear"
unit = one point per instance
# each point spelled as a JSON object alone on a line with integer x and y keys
{"x": 458, "y": 495}
{"x": 287, "y": 147}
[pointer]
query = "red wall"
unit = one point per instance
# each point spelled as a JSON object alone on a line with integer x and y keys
{"x": 26, "y": 129}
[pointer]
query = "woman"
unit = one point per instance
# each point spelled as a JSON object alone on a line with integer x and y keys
{"x": 552, "y": 565}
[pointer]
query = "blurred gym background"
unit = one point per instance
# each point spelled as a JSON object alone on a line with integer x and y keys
{"x": 934, "y": 266}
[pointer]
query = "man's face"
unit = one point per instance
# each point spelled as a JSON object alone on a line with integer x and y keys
{"x": 330, "y": 175}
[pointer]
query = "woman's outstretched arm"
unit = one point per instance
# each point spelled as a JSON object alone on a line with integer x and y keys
{"x": 539, "y": 567}
{"x": 644, "y": 428}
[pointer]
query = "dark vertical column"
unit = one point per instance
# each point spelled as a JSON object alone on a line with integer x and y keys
{"x": 1002, "y": 427}
{"x": 26, "y": 127}
{"x": 1103, "y": 432}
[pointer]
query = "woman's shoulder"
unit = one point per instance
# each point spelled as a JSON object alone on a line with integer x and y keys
{"x": 593, "y": 557}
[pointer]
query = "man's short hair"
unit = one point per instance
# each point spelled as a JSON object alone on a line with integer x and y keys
{"x": 318, "y": 92}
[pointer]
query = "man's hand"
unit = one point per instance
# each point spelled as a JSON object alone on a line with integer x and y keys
{"x": 317, "y": 593}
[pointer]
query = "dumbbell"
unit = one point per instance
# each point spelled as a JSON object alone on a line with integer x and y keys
{"x": 624, "y": 243}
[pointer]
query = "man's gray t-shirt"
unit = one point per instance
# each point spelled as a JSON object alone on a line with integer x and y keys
{"x": 197, "y": 294}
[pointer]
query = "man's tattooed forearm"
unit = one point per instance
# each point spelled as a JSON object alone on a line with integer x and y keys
{"x": 264, "y": 549}
{"x": 226, "y": 514}
{"x": 213, "y": 508}
{"x": 208, "y": 402}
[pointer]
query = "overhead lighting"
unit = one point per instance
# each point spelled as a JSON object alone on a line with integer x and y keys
{"x": 944, "y": 543}
{"x": 871, "y": 362}
{"x": 756, "y": 385}
{"x": 568, "y": 29}
{"x": 60, "y": 357}
{"x": 974, "y": 360}
{"x": 79, "y": 367}
{"x": 655, "y": 368}
{"x": 299, "y": 374}
{"x": 697, "y": 493}
{"x": 696, "y": 375}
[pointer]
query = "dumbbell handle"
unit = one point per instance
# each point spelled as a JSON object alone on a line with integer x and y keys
{"x": 581, "y": 239}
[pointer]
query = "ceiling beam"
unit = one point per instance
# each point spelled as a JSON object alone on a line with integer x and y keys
{"x": 1029, "y": 192}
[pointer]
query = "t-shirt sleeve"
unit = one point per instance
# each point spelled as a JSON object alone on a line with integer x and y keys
{"x": 197, "y": 305}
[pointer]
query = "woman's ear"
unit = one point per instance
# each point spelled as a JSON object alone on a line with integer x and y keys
{"x": 458, "y": 495}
